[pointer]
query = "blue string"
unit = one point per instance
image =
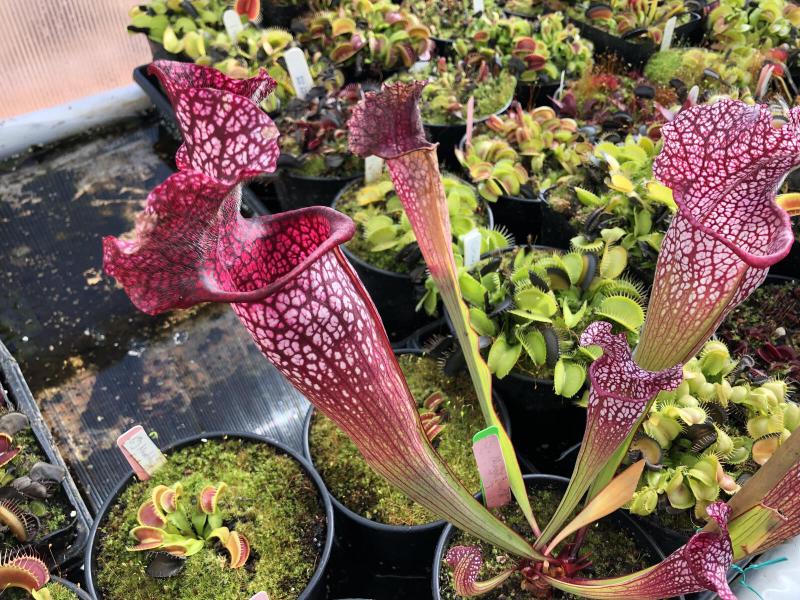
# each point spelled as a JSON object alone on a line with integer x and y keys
{"x": 753, "y": 567}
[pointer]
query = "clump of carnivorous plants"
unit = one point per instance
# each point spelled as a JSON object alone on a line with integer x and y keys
{"x": 307, "y": 312}
{"x": 181, "y": 527}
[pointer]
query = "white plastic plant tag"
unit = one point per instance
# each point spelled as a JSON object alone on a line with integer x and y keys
{"x": 141, "y": 452}
{"x": 419, "y": 66}
{"x": 492, "y": 467}
{"x": 560, "y": 89}
{"x": 373, "y": 168}
{"x": 298, "y": 71}
{"x": 232, "y": 22}
{"x": 477, "y": 6}
{"x": 472, "y": 247}
{"x": 669, "y": 31}
{"x": 260, "y": 596}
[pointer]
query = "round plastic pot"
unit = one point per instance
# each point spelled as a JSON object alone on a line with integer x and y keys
{"x": 394, "y": 294}
{"x": 548, "y": 426}
{"x": 637, "y": 53}
{"x": 316, "y": 588}
{"x": 380, "y": 549}
{"x": 300, "y": 191}
{"x": 79, "y": 592}
{"x": 620, "y": 518}
{"x": 274, "y": 14}
{"x": 531, "y": 94}
{"x": 556, "y": 230}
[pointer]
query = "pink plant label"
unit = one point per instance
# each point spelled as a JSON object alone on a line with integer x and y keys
{"x": 491, "y": 466}
{"x": 141, "y": 452}
{"x": 260, "y": 596}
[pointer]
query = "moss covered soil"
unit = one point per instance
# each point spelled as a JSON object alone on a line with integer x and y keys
{"x": 612, "y": 549}
{"x": 350, "y": 480}
{"x": 54, "y": 513}
{"x": 270, "y": 500}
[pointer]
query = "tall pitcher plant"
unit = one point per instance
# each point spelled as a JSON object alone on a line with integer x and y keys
{"x": 305, "y": 308}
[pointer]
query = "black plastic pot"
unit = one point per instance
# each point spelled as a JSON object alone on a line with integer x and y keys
{"x": 637, "y": 53}
{"x": 61, "y": 548}
{"x": 275, "y": 14}
{"x": 79, "y": 592}
{"x": 619, "y": 517}
{"x": 789, "y": 266}
{"x": 559, "y": 424}
{"x": 387, "y": 550}
{"x": 394, "y": 294}
{"x": 556, "y": 229}
{"x": 316, "y": 588}
{"x": 444, "y": 47}
{"x": 535, "y": 93}
{"x": 300, "y": 191}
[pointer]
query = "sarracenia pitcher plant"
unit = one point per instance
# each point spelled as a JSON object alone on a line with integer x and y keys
{"x": 305, "y": 308}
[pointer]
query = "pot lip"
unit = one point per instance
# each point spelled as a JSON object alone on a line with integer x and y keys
{"x": 360, "y": 262}
{"x": 361, "y": 520}
{"x": 316, "y": 178}
{"x": 91, "y": 547}
{"x": 505, "y": 107}
{"x": 695, "y": 18}
{"x": 448, "y": 532}
{"x": 81, "y": 593}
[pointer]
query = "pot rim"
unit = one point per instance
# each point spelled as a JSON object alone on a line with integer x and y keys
{"x": 506, "y": 106}
{"x": 81, "y": 593}
{"x": 368, "y": 523}
{"x": 91, "y": 551}
{"x": 448, "y": 532}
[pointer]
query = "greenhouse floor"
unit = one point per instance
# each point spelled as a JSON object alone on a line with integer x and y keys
{"x": 96, "y": 365}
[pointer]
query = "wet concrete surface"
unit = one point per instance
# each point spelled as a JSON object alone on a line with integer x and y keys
{"x": 95, "y": 364}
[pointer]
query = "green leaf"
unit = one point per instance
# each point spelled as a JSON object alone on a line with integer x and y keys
{"x": 613, "y": 263}
{"x": 572, "y": 319}
{"x": 644, "y": 222}
{"x": 534, "y": 344}
{"x": 481, "y": 322}
{"x": 587, "y": 198}
{"x": 503, "y": 356}
{"x": 471, "y": 289}
{"x": 573, "y": 263}
{"x": 534, "y": 300}
{"x": 622, "y": 310}
{"x": 568, "y": 378}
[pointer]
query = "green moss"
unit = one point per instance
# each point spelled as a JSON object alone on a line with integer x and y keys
{"x": 314, "y": 166}
{"x": 53, "y": 513}
{"x": 270, "y": 500}
{"x": 357, "y": 486}
{"x": 611, "y": 548}
{"x": 59, "y": 592}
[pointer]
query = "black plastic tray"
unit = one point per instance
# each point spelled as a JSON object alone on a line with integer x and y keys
{"x": 19, "y": 396}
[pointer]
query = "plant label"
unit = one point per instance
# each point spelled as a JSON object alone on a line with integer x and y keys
{"x": 373, "y": 168}
{"x": 477, "y": 6}
{"x": 260, "y": 596}
{"x": 419, "y": 66}
{"x": 141, "y": 452}
{"x": 298, "y": 70}
{"x": 492, "y": 467}
{"x": 669, "y": 31}
{"x": 233, "y": 23}
{"x": 472, "y": 247}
